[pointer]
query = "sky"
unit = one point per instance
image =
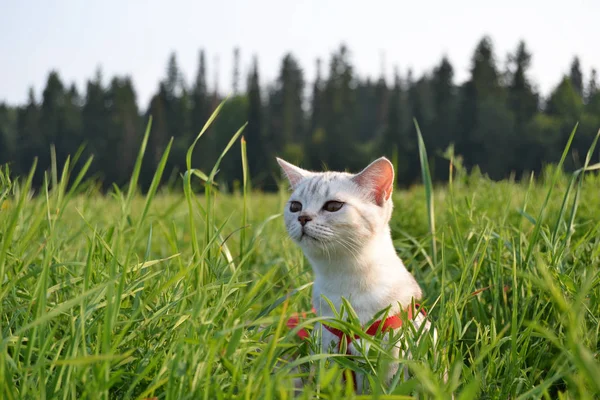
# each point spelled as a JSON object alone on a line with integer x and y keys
{"x": 136, "y": 37}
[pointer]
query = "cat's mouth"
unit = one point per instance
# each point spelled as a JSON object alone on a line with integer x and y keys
{"x": 304, "y": 234}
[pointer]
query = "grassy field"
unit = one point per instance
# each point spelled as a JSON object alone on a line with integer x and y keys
{"x": 185, "y": 295}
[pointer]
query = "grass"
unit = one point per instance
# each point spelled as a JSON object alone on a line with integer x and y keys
{"x": 180, "y": 296}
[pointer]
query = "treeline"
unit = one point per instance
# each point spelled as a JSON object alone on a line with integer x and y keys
{"x": 496, "y": 120}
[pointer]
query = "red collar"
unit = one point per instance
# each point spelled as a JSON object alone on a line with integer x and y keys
{"x": 393, "y": 322}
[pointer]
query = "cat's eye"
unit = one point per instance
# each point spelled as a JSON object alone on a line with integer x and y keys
{"x": 333, "y": 206}
{"x": 295, "y": 206}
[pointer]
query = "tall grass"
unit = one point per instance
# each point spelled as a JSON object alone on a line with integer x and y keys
{"x": 186, "y": 296}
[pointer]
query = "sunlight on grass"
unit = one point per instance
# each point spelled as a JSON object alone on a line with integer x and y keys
{"x": 176, "y": 296}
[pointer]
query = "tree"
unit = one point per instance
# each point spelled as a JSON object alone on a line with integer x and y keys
{"x": 29, "y": 136}
{"x": 365, "y": 103}
{"x": 444, "y": 105}
{"x": 236, "y": 112}
{"x": 314, "y": 141}
{"x": 496, "y": 120}
{"x": 175, "y": 101}
{"x": 60, "y": 119}
{"x": 566, "y": 106}
{"x": 371, "y": 101}
{"x": 286, "y": 113}
{"x": 381, "y": 100}
{"x": 420, "y": 105}
{"x": 125, "y": 128}
{"x": 522, "y": 101}
{"x": 8, "y": 133}
{"x": 253, "y": 133}
{"x": 173, "y": 81}
{"x": 483, "y": 102}
{"x": 340, "y": 115}
{"x": 395, "y": 144}
{"x": 316, "y": 100}
{"x": 51, "y": 117}
{"x": 565, "y": 102}
{"x": 576, "y": 76}
{"x": 496, "y": 138}
{"x": 542, "y": 142}
{"x": 96, "y": 125}
{"x": 236, "y": 71}
{"x": 200, "y": 112}
{"x": 159, "y": 135}
{"x": 70, "y": 138}
{"x": 592, "y": 89}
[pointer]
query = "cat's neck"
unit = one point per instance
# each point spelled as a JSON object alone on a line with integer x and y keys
{"x": 371, "y": 279}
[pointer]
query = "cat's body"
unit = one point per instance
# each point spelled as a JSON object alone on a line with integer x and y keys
{"x": 341, "y": 222}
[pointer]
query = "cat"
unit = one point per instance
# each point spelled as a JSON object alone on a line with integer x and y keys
{"x": 341, "y": 223}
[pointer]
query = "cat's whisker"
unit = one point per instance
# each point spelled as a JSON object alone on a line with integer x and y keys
{"x": 326, "y": 248}
{"x": 352, "y": 248}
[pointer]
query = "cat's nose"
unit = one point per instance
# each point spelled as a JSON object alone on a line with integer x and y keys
{"x": 304, "y": 219}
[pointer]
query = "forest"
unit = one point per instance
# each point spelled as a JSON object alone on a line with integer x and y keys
{"x": 496, "y": 121}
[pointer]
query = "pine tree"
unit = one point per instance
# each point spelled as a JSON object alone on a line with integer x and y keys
{"x": 236, "y": 71}
{"x": 340, "y": 114}
{"x": 485, "y": 122}
{"x": 523, "y": 102}
{"x": 176, "y": 102}
{"x": 590, "y": 122}
{"x": 367, "y": 118}
{"x": 173, "y": 80}
{"x": 565, "y": 102}
{"x": 317, "y": 94}
{"x": 566, "y": 106}
{"x": 125, "y": 126}
{"x": 200, "y": 112}
{"x": 53, "y": 99}
{"x": 8, "y": 133}
{"x": 314, "y": 150}
{"x": 443, "y": 124}
{"x": 482, "y": 71}
{"x": 286, "y": 113}
{"x": 159, "y": 136}
{"x": 59, "y": 117}
{"x": 420, "y": 106}
{"x": 394, "y": 143}
{"x": 576, "y": 76}
{"x": 381, "y": 100}
{"x": 291, "y": 84}
{"x": 253, "y": 134}
{"x": 372, "y": 99}
{"x": 592, "y": 89}
{"x": 70, "y": 138}
{"x": 29, "y": 141}
{"x": 200, "y": 100}
{"x": 96, "y": 125}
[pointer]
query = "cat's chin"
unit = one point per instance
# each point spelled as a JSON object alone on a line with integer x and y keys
{"x": 310, "y": 245}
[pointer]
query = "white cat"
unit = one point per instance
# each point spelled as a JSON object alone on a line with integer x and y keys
{"x": 341, "y": 222}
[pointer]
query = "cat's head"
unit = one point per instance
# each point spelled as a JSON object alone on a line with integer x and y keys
{"x": 337, "y": 212}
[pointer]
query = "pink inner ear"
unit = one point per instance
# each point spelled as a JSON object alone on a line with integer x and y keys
{"x": 378, "y": 177}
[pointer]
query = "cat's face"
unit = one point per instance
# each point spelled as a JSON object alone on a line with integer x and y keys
{"x": 333, "y": 213}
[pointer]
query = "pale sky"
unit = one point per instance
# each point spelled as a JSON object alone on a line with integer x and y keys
{"x": 135, "y": 37}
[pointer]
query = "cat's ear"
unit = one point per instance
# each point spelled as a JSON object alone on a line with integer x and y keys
{"x": 378, "y": 178}
{"x": 293, "y": 173}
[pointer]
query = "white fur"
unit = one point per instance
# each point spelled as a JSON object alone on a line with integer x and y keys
{"x": 350, "y": 250}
